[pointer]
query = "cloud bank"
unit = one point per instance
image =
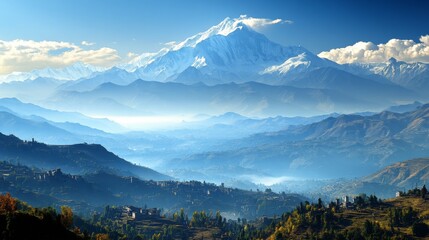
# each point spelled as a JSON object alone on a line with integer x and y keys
{"x": 26, "y": 55}
{"x": 368, "y": 52}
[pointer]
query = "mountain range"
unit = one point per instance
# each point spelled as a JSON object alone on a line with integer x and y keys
{"x": 229, "y": 67}
{"x": 251, "y": 98}
{"x": 343, "y": 146}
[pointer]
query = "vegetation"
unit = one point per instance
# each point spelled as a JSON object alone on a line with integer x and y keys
{"x": 405, "y": 217}
{"x": 366, "y": 217}
{"x": 20, "y": 221}
{"x": 88, "y": 193}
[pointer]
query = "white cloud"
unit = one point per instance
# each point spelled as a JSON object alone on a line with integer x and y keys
{"x": 258, "y": 23}
{"x": 366, "y": 52}
{"x": 26, "y": 55}
{"x": 425, "y": 40}
{"x": 86, "y": 43}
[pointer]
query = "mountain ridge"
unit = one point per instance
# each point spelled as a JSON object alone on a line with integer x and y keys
{"x": 75, "y": 159}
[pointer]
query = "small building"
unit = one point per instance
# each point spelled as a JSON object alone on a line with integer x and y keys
{"x": 346, "y": 203}
{"x": 141, "y": 213}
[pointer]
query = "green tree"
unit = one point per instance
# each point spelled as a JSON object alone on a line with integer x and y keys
{"x": 420, "y": 229}
{"x": 424, "y": 191}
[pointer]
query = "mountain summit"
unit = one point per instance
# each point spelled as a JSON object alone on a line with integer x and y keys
{"x": 231, "y": 51}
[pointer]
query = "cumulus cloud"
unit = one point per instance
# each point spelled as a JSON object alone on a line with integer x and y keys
{"x": 258, "y": 23}
{"x": 425, "y": 40}
{"x": 86, "y": 43}
{"x": 368, "y": 52}
{"x": 25, "y": 55}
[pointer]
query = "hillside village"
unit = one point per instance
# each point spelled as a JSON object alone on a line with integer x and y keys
{"x": 89, "y": 193}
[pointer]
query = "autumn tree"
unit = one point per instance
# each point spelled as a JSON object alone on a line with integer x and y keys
{"x": 66, "y": 216}
{"x": 7, "y": 203}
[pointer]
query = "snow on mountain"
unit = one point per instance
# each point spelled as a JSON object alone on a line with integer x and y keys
{"x": 224, "y": 28}
{"x": 143, "y": 60}
{"x": 302, "y": 63}
{"x": 199, "y": 62}
{"x": 395, "y": 71}
{"x": 72, "y": 72}
{"x": 231, "y": 51}
{"x": 398, "y": 71}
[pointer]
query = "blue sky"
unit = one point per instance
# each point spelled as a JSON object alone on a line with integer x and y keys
{"x": 143, "y": 26}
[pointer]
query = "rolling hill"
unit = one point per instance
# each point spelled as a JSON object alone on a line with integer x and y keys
{"x": 343, "y": 146}
{"x": 404, "y": 175}
{"x": 76, "y": 159}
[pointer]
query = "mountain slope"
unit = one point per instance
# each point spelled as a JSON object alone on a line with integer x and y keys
{"x": 78, "y": 158}
{"x": 113, "y": 75}
{"x": 294, "y": 66}
{"x": 358, "y": 87}
{"x": 28, "y": 129}
{"x": 15, "y": 106}
{"x": 250, "y": 99}
{"x": 410, "y": 75}
{"x": 405, "y": 174}
{"x": 228, "y": 52}
{"x": 345, "y": 146}
{"x": 29, "y": 90}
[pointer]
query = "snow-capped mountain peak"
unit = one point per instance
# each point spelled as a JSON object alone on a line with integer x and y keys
{"x": 303, "y": 62}
{"x": 231, "y": 51}
{"x": 288, "y": 65}
{"x": 398, "y": 72}
{"x": 224, "y": 28}
{"x": 143, "y": 60}
{"x": 73, "y": 72}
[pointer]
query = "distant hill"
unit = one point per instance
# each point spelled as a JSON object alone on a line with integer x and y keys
{"x": 343, "y": 146}
{"x": 385, "y": 182}
{"x": 405, "y": 174}
{"x": 27, "y": 129}
{"x": 17, "y": 107}
{"x": 355, "y": 86}
{"x": 250, "y": 99}
{"x": 76, "y": 159}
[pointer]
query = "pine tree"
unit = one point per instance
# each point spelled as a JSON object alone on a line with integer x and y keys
{"x": 424, "y": 191}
